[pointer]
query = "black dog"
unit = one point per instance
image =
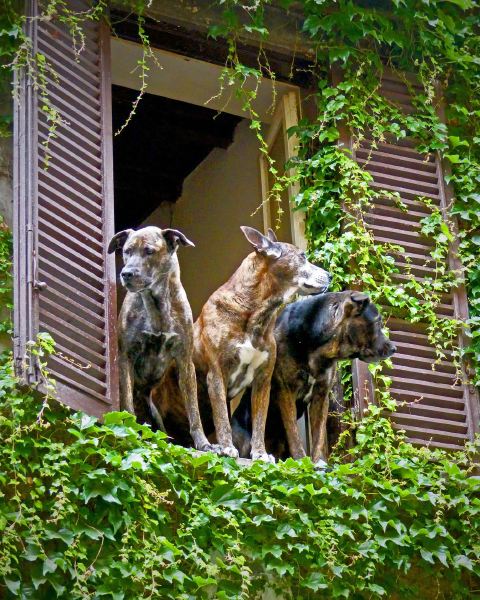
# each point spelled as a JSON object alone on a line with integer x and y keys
{"x": 311, "y": 336}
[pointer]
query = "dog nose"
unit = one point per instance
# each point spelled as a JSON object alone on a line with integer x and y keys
{"x": 126, "y": 275}
{"x": 329, "y": 277}
{"x": 389, "y": 350}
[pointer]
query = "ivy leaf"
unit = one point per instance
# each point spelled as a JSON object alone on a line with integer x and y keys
{"x": 460, "y": 560}
{"x": 13, "y": 586}
{"x": 464, "y": 4}
{"x": 315, "y": 581}
{"x": 87, "y": 421}
{"x": 426, "y": 555}
{"x": 49, "y": 566}
{"x": 377, "y": 589}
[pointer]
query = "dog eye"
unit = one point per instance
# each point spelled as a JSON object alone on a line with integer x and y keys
{"x": 149, "y": 250}
{"x": 303, "y": 255}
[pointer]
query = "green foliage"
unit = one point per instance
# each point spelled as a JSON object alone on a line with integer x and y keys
{"x": 113, "y": 510}
{"x": 5, "y": 279}
{"x": 91, "y": 510}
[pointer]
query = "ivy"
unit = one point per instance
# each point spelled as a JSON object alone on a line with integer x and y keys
{"x": 92, "y": 510}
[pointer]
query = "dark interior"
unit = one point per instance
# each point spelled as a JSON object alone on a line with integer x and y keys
{"x": 164, "y": 142}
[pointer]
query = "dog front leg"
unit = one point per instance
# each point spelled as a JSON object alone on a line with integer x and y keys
{"x": 125, "y": 369}
{"x": 318, "y": 417}
{"x": 187, "y": 383}
{"x": 260, "y": 400}
{"x": 218, "y": 400}
{"x": 288, "y": 409}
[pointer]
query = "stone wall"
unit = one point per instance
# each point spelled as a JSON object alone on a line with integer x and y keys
{"x": 6, "y": 160}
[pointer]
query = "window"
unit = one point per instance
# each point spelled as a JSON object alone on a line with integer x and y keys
{"x": 64, "y": 215}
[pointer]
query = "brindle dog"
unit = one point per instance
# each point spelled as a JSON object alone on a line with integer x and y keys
{"x": 155, "y": 325}
{"x": 311, "y": 335}
{"x": 234, "y": 342}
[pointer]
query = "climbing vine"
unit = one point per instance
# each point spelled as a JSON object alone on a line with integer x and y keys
{"x": 113, "y": 510}
{"x": 91, "y": 510}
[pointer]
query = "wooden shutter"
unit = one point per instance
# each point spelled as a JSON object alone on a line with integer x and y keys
{"x": 433, "y": 407}
{"x": 281, "y": 148}
{"x": 64, "y": 280}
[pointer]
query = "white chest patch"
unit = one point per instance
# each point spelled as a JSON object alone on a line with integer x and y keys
{"x": 308, "y": 395}
{"x": 249, "y": 360}
{"x": 288, "y": 295}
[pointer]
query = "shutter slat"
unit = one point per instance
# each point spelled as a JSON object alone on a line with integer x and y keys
{"x": 56, "y": 270}
{"x": 62, "y": 232}
{"x": 57, "y": 48}
{"x": 97, "y": 369}
{"x": 60, "y": 221}
{"x": 64, "y": 367}
{"x": 87, "y": 315}
{"x": 86, "y": 219}
{"x": 96, "y": 306}
{"x": 409, "y": 360}
{"x": 73, "y": 162}
{"x": 71, "y": 259}
{"x": 54, "y": 320}
{"x": 432, "y": 422}
{"x": 71, "y": 315}
{"x": 71, "y": 214}
{"x": 66, "y": 144}
{"x": 433, "y": 401}
{"x": 77, "y": 346}
{"x": 420, "y": 385}
{"x": 409, "y": 193}
{"x": 449, "y": 414}
{"x": 80, "y": 143}
{"x": 434, "y": 437}
{"x": 72, "y": 191}
{"x": 427, "y": 399}
{"x": 411, "y": 162}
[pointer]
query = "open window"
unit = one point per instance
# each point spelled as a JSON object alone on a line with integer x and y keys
{"x": 196, "y": 161}
{"x": 201, "y": 174}
{"x": 187, "y": 159}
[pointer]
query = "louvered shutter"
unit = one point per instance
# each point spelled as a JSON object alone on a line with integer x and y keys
{"x": 64, "y": 280}
{"x": 433, "y": 406}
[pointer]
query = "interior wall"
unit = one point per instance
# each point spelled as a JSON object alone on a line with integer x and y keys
{"x": 218, "y": 196}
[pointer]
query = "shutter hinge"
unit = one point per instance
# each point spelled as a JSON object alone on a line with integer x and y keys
{"x": 32, "y": 275}
{"x": 30, "y": 267}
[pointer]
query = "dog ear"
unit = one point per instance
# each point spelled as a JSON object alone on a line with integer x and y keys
{"x": 271, "y": 235}
{"x": 262, "y": 244}
{"x": 360, "y": 302}
{"x": 173, "y": 237}
{"x": 118, "y": 240}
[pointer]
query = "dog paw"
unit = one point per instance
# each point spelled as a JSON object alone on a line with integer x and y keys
{"x": 208, "y": 447}
{"x": 263, "y": 456}
{"x": 321, "y": 465}
{"x": 230, "y": 451}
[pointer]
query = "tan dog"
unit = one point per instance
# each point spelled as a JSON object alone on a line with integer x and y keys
{"x": 155, "y": 326}
{"x": 233, "y": 336}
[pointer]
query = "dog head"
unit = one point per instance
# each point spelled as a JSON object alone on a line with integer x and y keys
{"x": 148, "y": 255}
{"x": 352, "y": 327}
{"x": 288, "y": 264}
